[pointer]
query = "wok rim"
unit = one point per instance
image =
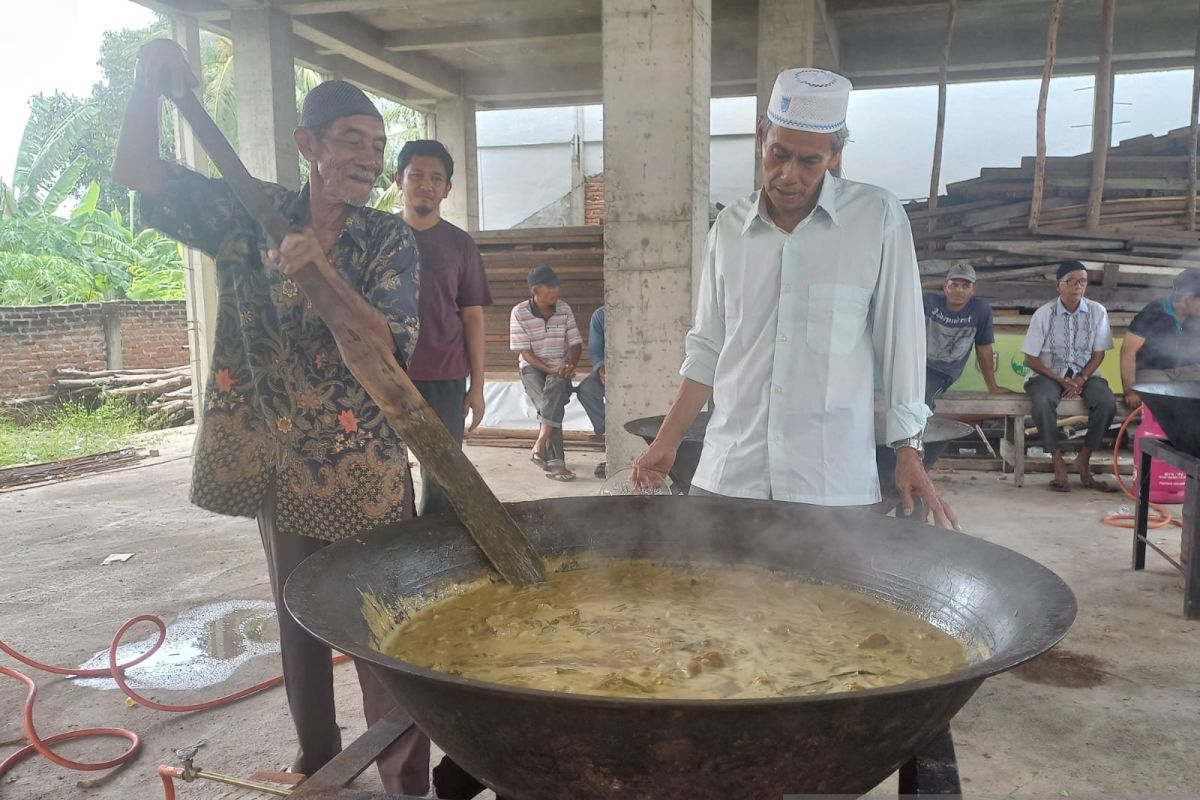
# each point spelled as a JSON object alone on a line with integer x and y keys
{"x": 1054, "y": 629}
{"x": 1151, "y": 388}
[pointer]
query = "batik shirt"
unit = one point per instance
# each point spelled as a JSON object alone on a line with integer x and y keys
{"x": 280, "y": 407}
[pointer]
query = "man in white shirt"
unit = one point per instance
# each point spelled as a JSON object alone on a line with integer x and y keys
{"x": 1064, "y": 348}
{"x": 809, "y": 288}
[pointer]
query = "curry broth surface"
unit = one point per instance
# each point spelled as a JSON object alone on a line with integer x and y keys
{"x": 633, "y": 629}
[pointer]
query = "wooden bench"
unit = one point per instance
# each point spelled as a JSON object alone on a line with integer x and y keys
{"x": 972, "y": 406}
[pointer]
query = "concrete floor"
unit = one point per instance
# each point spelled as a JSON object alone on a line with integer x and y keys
{"x": 1114, "y": 713}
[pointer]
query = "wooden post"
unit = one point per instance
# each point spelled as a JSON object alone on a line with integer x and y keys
{"x": 1039, "y": 170}
{"x": 1191, "y": 200}
{"x": 1102, "y": 116}
{"x": 935, "y": 178}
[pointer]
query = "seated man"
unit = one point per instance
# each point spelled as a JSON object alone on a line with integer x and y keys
{"x": 543, "y": 330}
{"x": 956, "y": 320}
{"x": 1163, "y": 341}
{"x": 591, "y": 388}
{"x": 1063, "y": 349}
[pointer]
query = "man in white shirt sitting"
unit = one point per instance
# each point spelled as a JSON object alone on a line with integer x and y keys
{"x": 808, "y": 288}
{"x": 1063, "y": 348}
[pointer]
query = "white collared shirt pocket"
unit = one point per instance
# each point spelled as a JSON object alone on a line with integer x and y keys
{"x": 837, "y": 317}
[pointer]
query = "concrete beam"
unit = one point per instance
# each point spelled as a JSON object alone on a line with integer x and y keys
{"x": 453, "y": 123}
{"x": 363, "y": 43}
{"x": 499, "y": 32}
{"x": 265, "y": 82}
{"x": 339, "y": 66}
{"x": 657, "y": 64}
{"x": 997, "y": 54}
{"x": 299, "y": 7}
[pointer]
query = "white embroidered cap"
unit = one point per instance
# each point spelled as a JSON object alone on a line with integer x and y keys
{"x": 807, "y": 99}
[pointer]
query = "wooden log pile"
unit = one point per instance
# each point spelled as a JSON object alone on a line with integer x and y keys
{"x": 1143, "y": 218}
{"x": 165, "y": 394}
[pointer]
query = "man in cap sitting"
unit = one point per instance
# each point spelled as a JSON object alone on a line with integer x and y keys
{"x": 543, "y": 330}
{"x": 288, "y": 435}
{"x": 1063, "y": 348}
{"x": 807, "y": 289}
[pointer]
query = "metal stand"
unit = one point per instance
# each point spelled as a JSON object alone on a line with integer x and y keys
{"x": 329, "y": 782}
{"x": 1190, "y": 465}
{"x": 932, "y": 771}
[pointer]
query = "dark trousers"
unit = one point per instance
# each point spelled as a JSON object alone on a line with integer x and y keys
{"x": 446, "y": 398}
{"x": 591, "y": 396}
{"x": 308, "y": 677}
{"x": 1097, "y": 396}
{"x": 549, "y": 395}
{"x": 936, "y": 385}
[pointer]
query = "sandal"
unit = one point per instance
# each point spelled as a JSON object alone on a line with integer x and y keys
{"x": 563, "y": 475}
{"x": 541, "y": 462}
{"x": 1057, "y": 486}
{"x": 1097, "y": 484}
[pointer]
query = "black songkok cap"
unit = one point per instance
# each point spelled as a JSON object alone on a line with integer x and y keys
{"x": 1067, "y": 267}
{"x": 542, "y": 276}
{"x": 333, "y": 100}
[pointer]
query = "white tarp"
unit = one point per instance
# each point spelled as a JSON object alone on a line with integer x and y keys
{"x": 508, "y": 407}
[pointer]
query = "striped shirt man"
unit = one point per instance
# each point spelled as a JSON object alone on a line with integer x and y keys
{"x": 549, "y": 338}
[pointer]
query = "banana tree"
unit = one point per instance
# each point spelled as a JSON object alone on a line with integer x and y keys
{"x": 48, "y": 168}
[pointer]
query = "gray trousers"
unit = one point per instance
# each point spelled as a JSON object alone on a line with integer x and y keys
{"x": 1097, "y": 397}
{"x": 549, "y": 395}
{"x": 308, "y": 677}
{"x": 591, "y": 397}
{"x": 446, "y": 398}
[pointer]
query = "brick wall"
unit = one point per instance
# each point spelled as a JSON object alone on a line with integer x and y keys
{"x": 35, "y": 340}
{"x": 593, "y": 200}
{"x": 153, "y": 334}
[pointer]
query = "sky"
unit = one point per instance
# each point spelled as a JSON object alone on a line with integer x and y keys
{"x": 48, "y": 46}
{"x": 988, "y": 124}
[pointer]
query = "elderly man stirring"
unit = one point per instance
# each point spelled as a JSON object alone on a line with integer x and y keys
{"x": 808, "y": 288}
{"x": 288, "y": 435}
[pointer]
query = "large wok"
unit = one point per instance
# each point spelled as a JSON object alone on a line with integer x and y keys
{"x": 535, "y": 745}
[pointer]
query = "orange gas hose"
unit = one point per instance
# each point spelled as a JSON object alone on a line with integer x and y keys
{"x": 1163, "y": 517}
{"x": 116, "y": 672}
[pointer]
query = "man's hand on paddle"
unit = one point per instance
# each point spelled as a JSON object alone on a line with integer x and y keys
{"x": 298, "y": 251}
{"x": 163, "y": 68}
{"x": 912, "y": 479}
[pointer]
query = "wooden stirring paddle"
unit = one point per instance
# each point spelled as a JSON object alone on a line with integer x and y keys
{"x": 386, "y": 382}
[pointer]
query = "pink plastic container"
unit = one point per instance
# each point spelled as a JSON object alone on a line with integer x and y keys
{"x": 1166, "y": 483}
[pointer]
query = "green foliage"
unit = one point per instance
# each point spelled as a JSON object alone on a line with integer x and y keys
{"x": 49, "y": 164}
{"x": 69, "y": 431}
{"x": 92, "y": 256}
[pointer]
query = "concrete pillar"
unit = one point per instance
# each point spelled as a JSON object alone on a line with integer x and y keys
{"x": 114, "y": 353}
{"x": 200, "y": 274}
{"x": 578, "y": 176}
{"x": 265, "y": 80}
{"x": 791, "y": 33}
{"x": 657, "y": 89}
{"x": 454, "y": 126}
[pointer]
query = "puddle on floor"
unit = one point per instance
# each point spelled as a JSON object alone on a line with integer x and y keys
{"x": 204, "y": 647}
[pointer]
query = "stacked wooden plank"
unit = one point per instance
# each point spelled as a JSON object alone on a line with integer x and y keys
{"x": 576, "y": 254}
{"x": 985, "y": 222}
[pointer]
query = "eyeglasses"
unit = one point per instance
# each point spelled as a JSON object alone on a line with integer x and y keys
{"x": 1076, "y": 282}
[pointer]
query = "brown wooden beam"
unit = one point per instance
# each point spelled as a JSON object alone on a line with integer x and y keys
{"x": 1102, "y": 114}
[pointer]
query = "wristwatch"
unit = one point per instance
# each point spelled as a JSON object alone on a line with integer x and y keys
{"x": 913, "y": 441}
